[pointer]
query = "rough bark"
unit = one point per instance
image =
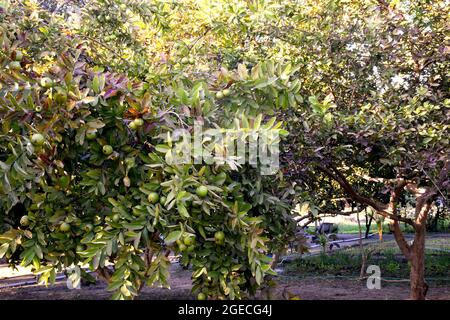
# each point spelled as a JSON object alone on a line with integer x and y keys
{"x": 419, "y": 287}
{"x": 400, "y": 239}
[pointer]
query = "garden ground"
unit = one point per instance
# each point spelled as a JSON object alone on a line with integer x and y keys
{"x": 307, "y": 281}
{"x": 308, "y": 288}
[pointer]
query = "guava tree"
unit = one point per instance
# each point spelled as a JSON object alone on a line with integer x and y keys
{"x": 375, "y": 127}
{"x": 91, "y": 101}
{"x": 87, "y": 171}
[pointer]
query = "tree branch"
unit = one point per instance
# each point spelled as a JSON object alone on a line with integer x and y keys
{"x": 104, "y": 273}
{"x": 400, "y": 239}
{"x": 395, "y": 194}
{"x": 380, "y": 180}
{"x": 380, "y": 207}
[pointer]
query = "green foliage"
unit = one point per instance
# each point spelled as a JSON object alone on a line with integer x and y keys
{"x": 378, "y": 101}
{"x": 88, "y": 100}
{"x": 97, "y": 192}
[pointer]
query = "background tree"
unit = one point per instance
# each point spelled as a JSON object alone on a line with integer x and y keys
{"x": 379, "y": 130}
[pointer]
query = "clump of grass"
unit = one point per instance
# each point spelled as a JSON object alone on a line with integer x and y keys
{"x": 347, "y": 262}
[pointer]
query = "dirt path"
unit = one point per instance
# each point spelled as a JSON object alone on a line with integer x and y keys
{"x": 344, "y": 289}
{"x": 180, "y": 283}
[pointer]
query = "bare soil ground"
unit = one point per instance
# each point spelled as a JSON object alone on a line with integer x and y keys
{"x": 180, "y": 289}
{"x": 345, "y": 289}
{"x": 308, "y": 288}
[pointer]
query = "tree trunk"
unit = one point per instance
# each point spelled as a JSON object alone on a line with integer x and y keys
{"x": 363, "y": 254}
{"x": 419, "y": 287}
{"x": 368, "y": 225}
{"x": 416, "y": 257}
{"x": 380, "y": 230}
{"x": 400, "y": 239}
